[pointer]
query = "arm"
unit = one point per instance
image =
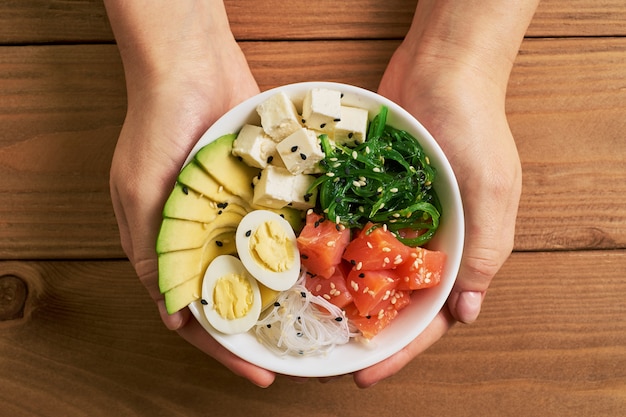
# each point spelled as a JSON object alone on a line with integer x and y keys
{"x": 181, "y": 64}
{"x": 451, "y": 72}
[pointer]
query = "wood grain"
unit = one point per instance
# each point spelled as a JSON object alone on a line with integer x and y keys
{"x": 55, "y": 203}
{"x": 551, "y": 341}
{"x": 85, "y": 21}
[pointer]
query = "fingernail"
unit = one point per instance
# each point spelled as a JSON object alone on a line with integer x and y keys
{"x": 468, "y": 306}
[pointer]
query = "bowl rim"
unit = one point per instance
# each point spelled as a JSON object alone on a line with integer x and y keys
{"x": 346, "y": 359}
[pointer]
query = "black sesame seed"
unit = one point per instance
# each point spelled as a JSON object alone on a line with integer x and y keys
{"x": 361, "y": 275}
{"x": 204, "y": 302}
{"x": 337, "y": 120}
{"x": 248, "y": 233}
{"x": 303, "y": 121}
{"x": 222, "y": 205}
{"x": 303, "y": 294}
{"x": 303, "y": 156}
{"x": 307, "y": 197}
{"x": 338, "y": 318}
{"x": 323, "y": 125}
{"x": 316, "y": 224}
{"x": 270, "y": 159}
{"x": 350, "y": 135}
{"x": 219, "y": 212}
{"x": 352, "y": 261}
{"x": 294, "y": 148}
{"x": 303, "y": 256}
{"x": 269, "y": 326}
{"x": 185, "y": 190}
{"x": 341, "y": 95}
{"x": 338, "y": 227}
{"x": 276, "y": 304}
{"x": 368, "y": 317}
{"x": 299, "y": 334}
{"x": 219, "y": 243}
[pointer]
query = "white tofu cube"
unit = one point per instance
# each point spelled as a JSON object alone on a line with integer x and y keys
{"x": 274, "y": 188}
{"x": 300, "y": 151}
{"x": 279, "y": 117}
{"x": 254, "y": 146}
{"x": 352, "y": 129}
{"x": 301, "y": 198}
{"x": 321, "y": 109}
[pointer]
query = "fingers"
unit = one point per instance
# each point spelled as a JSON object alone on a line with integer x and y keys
{"x": 197, "y": 336}
{"x": 376, "y": 373}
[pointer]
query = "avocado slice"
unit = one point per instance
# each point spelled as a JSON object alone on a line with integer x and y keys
{"x": 185, "y": 203}
{"x": 234, "y": 175}
{"x": 179, "y": 234}
{"x": 178, "y": 266}
{"x": 196, "y": 178}
{"x": 182, "y": 295}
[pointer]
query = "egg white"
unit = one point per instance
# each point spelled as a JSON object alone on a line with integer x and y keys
{"x": 222, "y": 266}
{"x": 279, "y": 281}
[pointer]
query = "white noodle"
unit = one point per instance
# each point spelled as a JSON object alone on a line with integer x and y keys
{"x": 301, "y": 323}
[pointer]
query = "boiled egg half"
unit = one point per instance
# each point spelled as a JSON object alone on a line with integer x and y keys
{"x": 230, "y": 296}
{"x": 267, "y": 247}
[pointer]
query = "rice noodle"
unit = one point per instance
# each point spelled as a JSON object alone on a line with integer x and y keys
{"x": 301, "y": 323}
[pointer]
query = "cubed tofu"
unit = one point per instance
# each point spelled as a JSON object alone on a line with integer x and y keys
{"x": 301, "y": 151}
{"x": 301, "y": 198}
{"x": 274, "y": 188}
{"x": 321, "y": 109}
{"x": 279, "y": 117}
{"x": 253, "y": 146}
{"x": 352, "y": 129}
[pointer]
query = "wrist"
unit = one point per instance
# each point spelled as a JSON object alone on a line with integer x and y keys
{"x": 161, "y": 43}
{"x": 476, "y": 39}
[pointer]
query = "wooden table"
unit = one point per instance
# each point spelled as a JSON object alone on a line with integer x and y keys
{"x": 87, "y": 341}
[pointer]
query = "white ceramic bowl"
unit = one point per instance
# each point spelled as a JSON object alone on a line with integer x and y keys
{"x": 425, "y": 303}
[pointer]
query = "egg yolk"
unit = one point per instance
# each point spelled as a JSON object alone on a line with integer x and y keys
{"x": 232, "y": 296}
{"x": 271, "y": 248}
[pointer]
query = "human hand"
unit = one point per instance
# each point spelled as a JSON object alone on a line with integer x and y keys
{"x": 463, "y": 108}
{"x": 167, "y": 113}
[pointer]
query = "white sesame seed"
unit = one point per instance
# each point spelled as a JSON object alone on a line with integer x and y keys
{"x": 318, "y": 287}
{"x": 369, "y": 245}
{"x": 354, "y": 155}
{"x": 359, "y": 266}
{"x": 394, "y": 190}
{"x": 330, "y": 174}
{"x": 330, "y": 243}
{"x": 356, "y": 183}
{"x": 386, "y": 249}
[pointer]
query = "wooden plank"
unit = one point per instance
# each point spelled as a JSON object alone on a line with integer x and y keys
{"x": 566, "y": 105}
{"x": 61, "y": 112}
{"x": 45, "y": 21}
{"x": 551, "y": 341}
{"x": 63, "y": 106}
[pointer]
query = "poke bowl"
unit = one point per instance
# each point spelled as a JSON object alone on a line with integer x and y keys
{"x": 230, "y": 191}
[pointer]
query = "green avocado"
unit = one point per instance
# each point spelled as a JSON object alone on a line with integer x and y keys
{"x": 184, "y": 203}
{"x": 194, "y": 177}
{"x": 178, "y": 266}
{"x": 178, "y": 234}
{"x": 182, "y": 295}
{"x": 235, "y": 175}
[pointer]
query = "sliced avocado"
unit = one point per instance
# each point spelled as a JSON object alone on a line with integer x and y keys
{"x": 178, "y": 234}
{"x": 179, "y": 266}
{"x": 293, "y": 216}
{"x": 235, "y": 175}
{"x": 196, "y": 178}
{"x": 182, "y": 295}
{"x": 184, "y": 203}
